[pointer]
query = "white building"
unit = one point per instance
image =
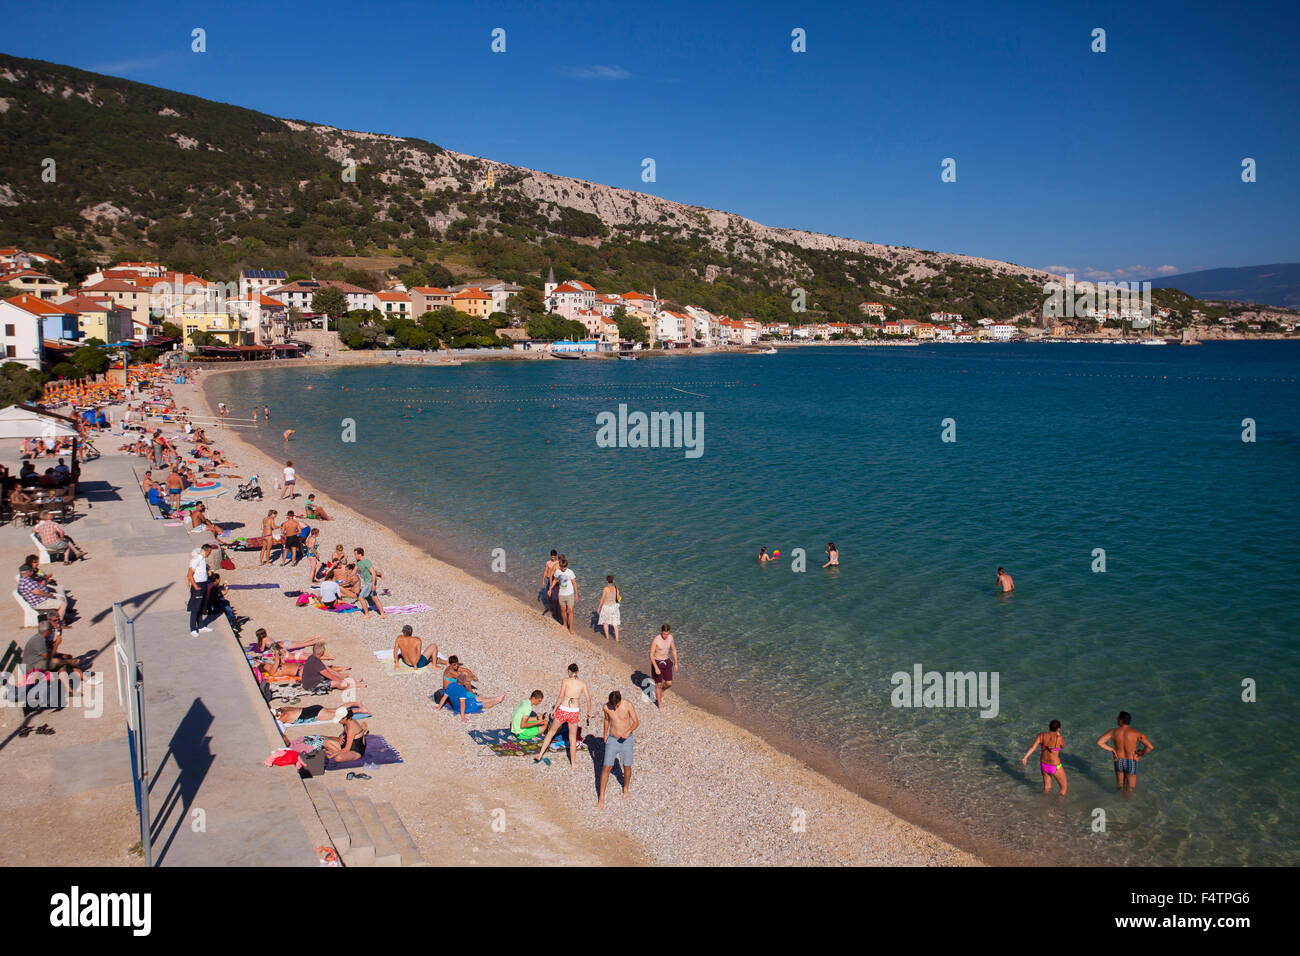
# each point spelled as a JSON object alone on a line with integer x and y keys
{"x": 22, "y": 333}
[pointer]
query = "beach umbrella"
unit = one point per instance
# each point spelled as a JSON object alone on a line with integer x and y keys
{"x": 206, "y": 488}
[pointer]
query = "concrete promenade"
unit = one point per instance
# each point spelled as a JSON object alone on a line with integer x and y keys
{"x": 69, "y": 798}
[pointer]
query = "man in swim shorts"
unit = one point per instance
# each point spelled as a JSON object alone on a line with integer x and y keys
{"x": 407, "y": 650}
{"x": 1124, "y": 744}
{"x": 1004, "y": 583}
{"x": 620, "y": 722}
{"x": 662, "y": 648}
{"x": 524, "y": 722}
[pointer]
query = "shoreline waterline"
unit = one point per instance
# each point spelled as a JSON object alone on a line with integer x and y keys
{"x": 828, "y": 774}
{"x": 869, "y": 783}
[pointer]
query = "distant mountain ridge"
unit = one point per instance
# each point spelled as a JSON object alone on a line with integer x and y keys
{"x": 1277, "y": 284}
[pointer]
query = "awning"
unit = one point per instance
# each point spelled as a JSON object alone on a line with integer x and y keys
{"x": 23, "y": 421}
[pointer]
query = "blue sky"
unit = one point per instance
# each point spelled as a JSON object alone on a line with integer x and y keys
{"x": 1115, "y": 164}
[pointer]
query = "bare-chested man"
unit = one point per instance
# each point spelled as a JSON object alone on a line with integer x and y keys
{"x": 567, "y": 712}
{"x": 1124, "y": 744}
{"x": 349, "y": 581}
{"x": 620, "y": 722}
{"x": 268, "y": 535}
{"x": 548, "y": 579}
{"x": 407, "y": 650}
{"x": 661, "y": 649}
{"x": 1004, "y": 584}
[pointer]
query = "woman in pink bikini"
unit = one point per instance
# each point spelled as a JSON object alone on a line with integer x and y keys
{"x": 1049, "y": 760}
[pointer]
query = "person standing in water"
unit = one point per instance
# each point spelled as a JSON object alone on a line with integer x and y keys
{"x": 620, "y": 723}
{"x": 1049, "y": 761}
{"x": 1123, "y": 743}
{"x": 1004, "y": 583}
{"x": 567, "y": 712}
{"x": 607, "y": 610}
{"x": 832, "y": 556}
{"x": 661, "y": 649}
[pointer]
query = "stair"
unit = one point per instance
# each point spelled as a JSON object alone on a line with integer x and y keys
{"x": 364, "y": 834}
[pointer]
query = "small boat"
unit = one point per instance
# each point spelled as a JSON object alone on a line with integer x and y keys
{"x": 627, "y": 358}
{"x": 571, "y": 356}
{"x": 1153, "y": 342}
{"x": 770, "y": 350}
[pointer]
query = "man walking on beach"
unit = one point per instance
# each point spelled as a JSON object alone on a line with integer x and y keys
{"x": 290, "y": 482}
{"x": 620, "y": 722}
{"x": 661, "y": 649}
{"x": 1123, "y": 743}
{"x": 548, "y": 579}
{"x": 566, "y": 591}
{"x": 197, "y": 578}
{"x": 175, "y": 485}
{"x": 369, "y": 576}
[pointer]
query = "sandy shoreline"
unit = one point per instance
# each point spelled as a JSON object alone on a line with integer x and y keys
{"x": 705, "y": 791}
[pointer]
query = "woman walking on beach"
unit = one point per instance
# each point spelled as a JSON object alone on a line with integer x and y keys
{"x": 607, "y": 610}
{"x": 1049, "y": 744}
{"x": 567, "y": 712}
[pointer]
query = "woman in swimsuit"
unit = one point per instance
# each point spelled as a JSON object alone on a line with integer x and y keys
{"x": 567, "y": 712}
{"x": 1049, "y": 744}
{"x": 349, "y": 746}
{"x": 313, "y": 556}
{"x": 279, "y": 669}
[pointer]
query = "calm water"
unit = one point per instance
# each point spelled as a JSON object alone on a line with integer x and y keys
{"x": 1061, "y": 449}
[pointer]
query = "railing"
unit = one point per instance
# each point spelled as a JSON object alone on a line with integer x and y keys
{"x": 130, "y": 695}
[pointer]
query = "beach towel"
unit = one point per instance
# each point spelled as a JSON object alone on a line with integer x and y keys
{"x": 407, "y": 609}
{"x": 503, "y": 743}
{"x": 251, "y": 587}
{"x": 379, "y": 753}
{"x": 306, "y": 723}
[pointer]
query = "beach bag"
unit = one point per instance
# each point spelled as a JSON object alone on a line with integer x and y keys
{"x": 313, "y": 764}
{"x": 304, "y": 599}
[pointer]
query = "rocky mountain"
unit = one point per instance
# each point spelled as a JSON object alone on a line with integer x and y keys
{"x": 96, "y": 167}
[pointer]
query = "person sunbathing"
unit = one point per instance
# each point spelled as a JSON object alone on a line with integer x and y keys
{"x": 316, "y": 511}
{"x": 407, "y": 650}
{"x": 349, "y": 746}
{"x": 459, "y": 698}
{"x": 279, "y": 669}
{"x": 309, "y": 715}
{"x": 316, "y": 675}
{"x": 197, "y": 519}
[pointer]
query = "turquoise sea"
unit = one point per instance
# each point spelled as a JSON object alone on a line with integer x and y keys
{"x": 1060, "y": 450}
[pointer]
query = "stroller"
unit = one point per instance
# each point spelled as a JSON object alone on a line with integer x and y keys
{"x": 249, "y": 490}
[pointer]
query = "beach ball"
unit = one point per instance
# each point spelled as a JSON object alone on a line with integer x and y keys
{"x": 776, "y": 553}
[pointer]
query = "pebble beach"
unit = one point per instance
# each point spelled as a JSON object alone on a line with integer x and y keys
{"x": 704, "y": 791}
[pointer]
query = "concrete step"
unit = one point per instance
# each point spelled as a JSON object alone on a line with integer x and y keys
{"x": 361, "y": 845}
{"x": 397, "y": 832}
{"x": 385, "y": 850}
{"x": 328, "y": 813}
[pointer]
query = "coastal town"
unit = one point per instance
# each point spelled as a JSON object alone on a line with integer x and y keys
{"x": 264, "y": 313}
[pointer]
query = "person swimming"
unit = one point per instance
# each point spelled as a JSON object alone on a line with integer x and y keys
{"x": 1049, "y": 761}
